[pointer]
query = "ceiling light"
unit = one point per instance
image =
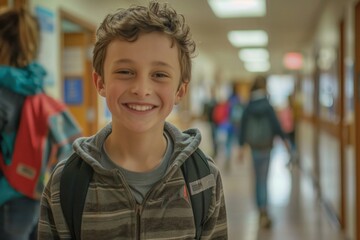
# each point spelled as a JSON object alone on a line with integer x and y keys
{"x": 257, "y": 66}
{"x": 248, "y": 38}
{"x": 254, "y": 54}
{"x": 238, "y": 8}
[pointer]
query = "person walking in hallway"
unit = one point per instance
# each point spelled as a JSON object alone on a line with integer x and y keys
{"x": 258, "y": 128}
{"x": 208, "y": 113}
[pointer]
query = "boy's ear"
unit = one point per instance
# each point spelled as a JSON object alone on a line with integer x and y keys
{"x": 181, "y": 92}
{"x": 99, "y": 83}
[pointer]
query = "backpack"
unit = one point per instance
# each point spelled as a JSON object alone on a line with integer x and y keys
{"x": 236, "y": 113}
{"x": 221, "y": 113}
{"x": 258, "y": 132}
{"x": 77, "y": 174}
{"x": 38, "y": 135}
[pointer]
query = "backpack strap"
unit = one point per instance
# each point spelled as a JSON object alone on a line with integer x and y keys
{"x": 199, "y": 181}
{"x": 74, "y": 185}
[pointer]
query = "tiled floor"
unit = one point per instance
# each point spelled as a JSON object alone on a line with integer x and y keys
{"x": 295, "y": 211}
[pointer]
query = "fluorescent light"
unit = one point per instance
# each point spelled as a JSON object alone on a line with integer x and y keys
{"x": 257, "y": 66}
{"x": 254, "y": 54}
{"x": 248, "y": 38}
{"x": 238, "y": 8}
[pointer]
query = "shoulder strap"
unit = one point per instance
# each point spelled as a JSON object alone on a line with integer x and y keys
{"x": 74, "y": 185}
{"x": 199, "y": 181}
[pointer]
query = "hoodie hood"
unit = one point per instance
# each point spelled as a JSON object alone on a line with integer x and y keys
{"x": 28, "y": 80}
{"x": 259, "y": 102}
{"x": 185, "y": 143}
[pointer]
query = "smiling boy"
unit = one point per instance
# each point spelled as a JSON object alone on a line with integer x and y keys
{"x": 142, "y": 67}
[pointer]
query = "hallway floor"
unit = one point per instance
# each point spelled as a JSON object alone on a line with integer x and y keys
{"x": 295, "y": 211}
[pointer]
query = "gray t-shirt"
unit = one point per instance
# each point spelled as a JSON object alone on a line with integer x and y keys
{"x": 141, "y": 182}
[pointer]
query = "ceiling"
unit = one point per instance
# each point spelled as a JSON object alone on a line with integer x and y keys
{"x": 289, "y": 24}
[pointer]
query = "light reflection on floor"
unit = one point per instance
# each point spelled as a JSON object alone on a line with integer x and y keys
{"x": 279, "y": 185}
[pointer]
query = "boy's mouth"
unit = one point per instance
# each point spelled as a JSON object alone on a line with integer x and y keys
{"x": 141, "y": 108}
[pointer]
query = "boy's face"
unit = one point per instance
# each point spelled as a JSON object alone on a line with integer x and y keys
{"x": 141, "y": 81}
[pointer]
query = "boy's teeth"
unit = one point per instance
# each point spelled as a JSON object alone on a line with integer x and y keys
{"x": 140, "y": 107}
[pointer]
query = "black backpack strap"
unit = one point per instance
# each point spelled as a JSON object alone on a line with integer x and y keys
{"x": 199, "y": 181}
{"x": 74, "y": 185}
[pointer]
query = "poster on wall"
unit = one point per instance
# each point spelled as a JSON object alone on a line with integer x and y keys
{"x": 47, "y": 42}
{"x": 73, "y": 91}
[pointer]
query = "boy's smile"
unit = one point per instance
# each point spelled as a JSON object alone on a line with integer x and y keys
{"x": 141, "y": 81}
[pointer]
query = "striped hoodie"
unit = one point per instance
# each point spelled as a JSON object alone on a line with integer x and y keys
{"x": 110, "y": 210}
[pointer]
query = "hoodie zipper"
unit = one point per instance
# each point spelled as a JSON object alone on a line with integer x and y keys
{"x": 137, "y": 207}
{"x": 140, "y": 207}
{"x": 138, "y": 210}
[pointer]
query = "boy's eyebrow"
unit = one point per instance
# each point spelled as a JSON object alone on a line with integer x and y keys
{"x": 155, "y": 63}
{"x": 160, "y": 63}
{"x": 125, "y": 60}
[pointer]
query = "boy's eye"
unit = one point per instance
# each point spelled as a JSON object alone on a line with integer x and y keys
{"x": 160, "y": 75}
{"x": 124, "y": 72}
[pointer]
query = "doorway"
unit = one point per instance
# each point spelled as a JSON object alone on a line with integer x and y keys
{"x": 79, "y": 94}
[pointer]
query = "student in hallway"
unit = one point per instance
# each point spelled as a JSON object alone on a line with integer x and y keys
{"x": 35, "y": 129}
{"x": 258, "y": 128}
{"x": 208, "y": 113}
{"x": 142, "y": 67}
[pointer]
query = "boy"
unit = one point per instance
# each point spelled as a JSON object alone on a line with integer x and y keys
{"x": 142, "y": 66}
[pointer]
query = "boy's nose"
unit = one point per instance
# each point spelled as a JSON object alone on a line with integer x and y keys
{"x": 141, "y": 87}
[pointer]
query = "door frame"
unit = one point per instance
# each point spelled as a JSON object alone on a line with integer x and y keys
{"x": 92, "y": 100}
{"x": 357, "y": 117}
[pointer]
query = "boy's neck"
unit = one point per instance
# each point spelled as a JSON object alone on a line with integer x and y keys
{"x": 137, "y": 153}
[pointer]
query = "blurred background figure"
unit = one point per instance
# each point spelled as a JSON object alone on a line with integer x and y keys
{"x": 259, "y": 126}
{"x": 235, "y": 112}
{"x": 35, "y": 129}
{"x": 286, "y": 115}
{"x": 209, "y": 107}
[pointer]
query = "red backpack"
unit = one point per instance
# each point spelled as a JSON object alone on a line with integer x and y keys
{"x": 221, "y": 113}
{"x": 25, "y": 172}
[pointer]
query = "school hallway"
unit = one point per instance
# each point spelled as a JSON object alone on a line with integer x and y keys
{"x": 296, "y": 212}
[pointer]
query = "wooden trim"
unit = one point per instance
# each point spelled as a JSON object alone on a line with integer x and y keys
{"x": 308, "y": 118}
{"x": 72, "y": 18}
{"x": 3, "y": 3}
{"x": 357, "y": 119}
{"x": 350, "y": 134}
{"x": 329, "y": 127}
{"x": 21, "y": 3}
{"x": 342, "y": 217}
{"x": 14, "y": 3}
